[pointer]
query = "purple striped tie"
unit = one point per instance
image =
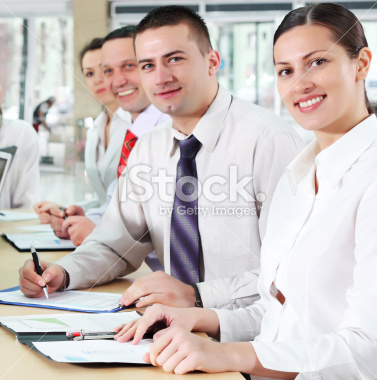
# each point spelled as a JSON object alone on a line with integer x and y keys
{"x": 184, "y": 234}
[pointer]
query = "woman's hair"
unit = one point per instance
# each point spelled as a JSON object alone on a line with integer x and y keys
{"x": 344, "y": 25}
{"x": 94, "y": 44}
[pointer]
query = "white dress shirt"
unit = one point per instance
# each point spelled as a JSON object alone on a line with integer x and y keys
{"x": 101, "y": 165}
{"x": 320, "y": 250}
{"x": 21, "y": 185}
{"x": 241, "y": 143}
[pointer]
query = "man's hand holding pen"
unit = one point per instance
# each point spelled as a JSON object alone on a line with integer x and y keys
{"x": 31, "y": 284}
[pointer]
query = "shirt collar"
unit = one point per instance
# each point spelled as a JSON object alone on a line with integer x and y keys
{"x": 337, "y": 159}
{"x": 122, "y": 116}
{"x": 101, "y": 119}
{"x": 208, "y": 129}
{"x": 146, "y": 120}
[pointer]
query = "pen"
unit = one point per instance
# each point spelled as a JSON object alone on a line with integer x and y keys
{"x": 38, "y": 267}
{"x": 133, "y": 304}
{"x": 87, "y": 333}
{"x": 93, "y": 337}
{"x": 65, "y": 214}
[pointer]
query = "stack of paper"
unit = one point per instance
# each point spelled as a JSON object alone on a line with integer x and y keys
{"x": 37, "y": 331}
{"x": 15, "y": 216}
{"x": 95, "y": 351}
{"x": 66, "y": 322}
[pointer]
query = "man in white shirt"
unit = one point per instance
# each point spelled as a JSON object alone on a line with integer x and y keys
{"x": 244, "y": 150}
{"x": 117, "y": 50}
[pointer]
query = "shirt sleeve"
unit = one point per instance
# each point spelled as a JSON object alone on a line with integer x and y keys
{"x": 25, "y": 169}
{"x": 243, "y": 324}
{"x": 89, "y": 204}
{"x": 275, "y": 151}
{"x": 273, "y": 154}
{"x": 96, "y": 214}
{"x": 116, "y": 247}
{"x": 350, "y": 352}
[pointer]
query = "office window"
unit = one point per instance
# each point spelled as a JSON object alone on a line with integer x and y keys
{"x": 246, "y": 68}
{"x": 11, "y": 58}
{"x": 53, "y": 70}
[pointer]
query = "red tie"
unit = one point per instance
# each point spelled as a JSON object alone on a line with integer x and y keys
{"x": 129, "y": 143}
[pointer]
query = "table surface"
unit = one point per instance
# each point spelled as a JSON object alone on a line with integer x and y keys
{"x": 19, "y": 361}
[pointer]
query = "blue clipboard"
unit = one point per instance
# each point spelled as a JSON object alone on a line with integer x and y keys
{"x": 56, "y": 307}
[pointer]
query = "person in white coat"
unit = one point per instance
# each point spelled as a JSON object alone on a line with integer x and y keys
{"x": 22, "y": 182}
{"x": 316, "y": 318}
{"x": 104, "y": 138}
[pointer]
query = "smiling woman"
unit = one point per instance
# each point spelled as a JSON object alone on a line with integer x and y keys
{"x": 316, "y": 314}
{"x": 314, "y": 74}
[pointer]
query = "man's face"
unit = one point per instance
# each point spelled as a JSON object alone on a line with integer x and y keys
{"x": 122, "y": 76}
{"x": 175, "y": 75}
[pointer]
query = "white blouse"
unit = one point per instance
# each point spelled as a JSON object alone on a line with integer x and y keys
{"x": 320, "y": 250}
{"x": 21, "y": 185}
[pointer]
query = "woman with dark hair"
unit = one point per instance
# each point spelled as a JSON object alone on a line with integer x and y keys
{"x": 22, "y": 181}
{"x": 317, "y": 314}
{"x": 104, "y": 139}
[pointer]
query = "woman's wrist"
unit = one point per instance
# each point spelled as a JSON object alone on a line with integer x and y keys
{"x": 206, "y": 320}
{"x": 240, "y": 357}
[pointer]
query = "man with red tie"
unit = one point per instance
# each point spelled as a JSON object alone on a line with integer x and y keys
{"x": 122, "y": 77}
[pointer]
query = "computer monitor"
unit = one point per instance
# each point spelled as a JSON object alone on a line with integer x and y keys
{"x": 5, "y": 161}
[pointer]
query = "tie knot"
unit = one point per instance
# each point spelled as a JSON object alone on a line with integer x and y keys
{"x": 189, "y": 147}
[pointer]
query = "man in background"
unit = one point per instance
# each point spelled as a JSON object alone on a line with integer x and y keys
{"x": 40, "y": 112}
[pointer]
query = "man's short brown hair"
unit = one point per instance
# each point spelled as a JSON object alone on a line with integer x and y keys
{"x": 172, "y": 15}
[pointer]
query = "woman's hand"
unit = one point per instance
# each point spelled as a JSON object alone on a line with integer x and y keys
{"x": 157, "y": 319}
{"x": 180, "y": 351}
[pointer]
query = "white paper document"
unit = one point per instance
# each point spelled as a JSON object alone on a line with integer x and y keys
{"x": 95, "y": 351}
{"x": 67, "y": 322}
{"x": 15, "y": 216}
{"x": 37, "y": 228}
{"x": 40, "y": 240}
{"x": 70, "y": 300}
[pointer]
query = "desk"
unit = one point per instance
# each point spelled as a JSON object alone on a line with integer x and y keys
{"x": 19, "y": 362}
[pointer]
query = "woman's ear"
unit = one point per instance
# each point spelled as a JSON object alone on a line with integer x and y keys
{"x": 363, "y": 63}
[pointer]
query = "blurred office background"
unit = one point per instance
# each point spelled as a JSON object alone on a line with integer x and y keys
{"x": 40, "y": 41}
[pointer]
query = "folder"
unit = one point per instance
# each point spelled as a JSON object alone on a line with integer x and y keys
{"x": 33, "y": 338}
{"x": 15, "y": 297}
{"x": 29, "y": 338}
{"x": 42, "y": 241}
